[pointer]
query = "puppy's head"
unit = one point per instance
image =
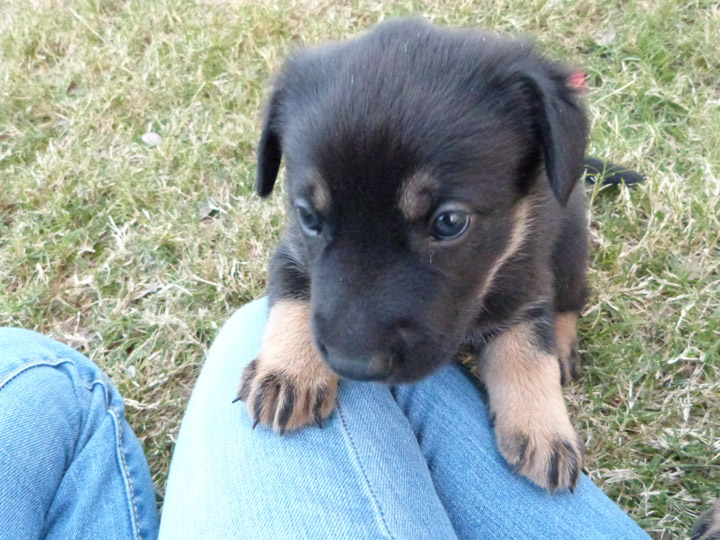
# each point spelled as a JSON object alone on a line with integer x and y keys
{"x": 416, "y": 159}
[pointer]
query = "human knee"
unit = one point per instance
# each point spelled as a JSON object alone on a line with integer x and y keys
{"x": 45, "y": 387}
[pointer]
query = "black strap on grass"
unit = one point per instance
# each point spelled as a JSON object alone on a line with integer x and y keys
{"x": 597, "y": 170}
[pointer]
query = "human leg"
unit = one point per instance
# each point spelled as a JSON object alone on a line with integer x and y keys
{"x": 414, "y": 461}
{"x": 483, "y": 497}
{"x": 361, "y": 476}
{"x": 70, "y": 466}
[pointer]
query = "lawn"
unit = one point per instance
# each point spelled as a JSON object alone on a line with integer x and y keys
{"x": 129, "y": 228}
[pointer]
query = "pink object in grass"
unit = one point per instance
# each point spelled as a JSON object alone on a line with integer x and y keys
{"x": 577, "y": 80}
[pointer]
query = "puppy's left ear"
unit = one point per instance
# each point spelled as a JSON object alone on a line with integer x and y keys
{"x": 562, "y": 126}
{"x": 269, "y": 152}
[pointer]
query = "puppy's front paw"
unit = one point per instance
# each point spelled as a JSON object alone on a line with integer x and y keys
{"x": 544, "y": 449}
{"x": 288, "y": 386}
{"x": 284, "y": 400}
{"x": 708, "y": 524}
{"x": 532, "y": 425}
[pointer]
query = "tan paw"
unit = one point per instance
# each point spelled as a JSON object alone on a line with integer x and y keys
{"x": 550, "y": 459}
{"x": 288, "y": 386}
{"x": 282, "y": 400}
{"x": 532, "y": 425}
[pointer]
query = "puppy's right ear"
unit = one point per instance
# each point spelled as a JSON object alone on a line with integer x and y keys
{"x": 269, "y": 152}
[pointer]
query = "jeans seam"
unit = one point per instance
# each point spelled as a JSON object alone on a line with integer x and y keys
{"x": 79, "y": 382}
{"x": 130, "y": 487}
{"x": 353, "y": 449}
{"x": 22, "y": 369}
{"x": 54, "y": 364}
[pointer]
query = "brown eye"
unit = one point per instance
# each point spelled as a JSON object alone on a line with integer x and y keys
{"x": 309, "y": 220}
{"x": 449, "y": 224}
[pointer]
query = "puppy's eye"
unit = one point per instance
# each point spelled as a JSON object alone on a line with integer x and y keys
{"x": 310, "y": 221}
{"x": 449, "y": 224}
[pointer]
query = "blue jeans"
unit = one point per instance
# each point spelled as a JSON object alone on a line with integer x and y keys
{"x": 416, "y": 461}
{"x": 70, "y": 466}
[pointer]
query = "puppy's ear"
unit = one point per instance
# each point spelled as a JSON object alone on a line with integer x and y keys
{"x": 562, "y": 126}
{"x": 269, "y": 151}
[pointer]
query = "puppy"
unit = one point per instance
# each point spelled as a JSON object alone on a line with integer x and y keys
{"x": 707, "y": 526}
{"x": 433, "y": 205}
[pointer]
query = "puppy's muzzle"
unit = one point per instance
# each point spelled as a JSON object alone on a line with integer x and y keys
{"x": 377, "y": 367}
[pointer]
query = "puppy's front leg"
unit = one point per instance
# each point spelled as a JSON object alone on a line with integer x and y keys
{"x": 533, "y": 429}
{"x": 288, "y": 386}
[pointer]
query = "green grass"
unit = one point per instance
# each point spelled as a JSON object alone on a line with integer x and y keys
{"x": 136, "y": 255}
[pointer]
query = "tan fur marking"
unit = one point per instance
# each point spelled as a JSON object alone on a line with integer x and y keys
{"x": 320, "y": 198}
{"x": 522, "y": 378}
{"x": 567, "y": 345}
{"x": 521, "y": 226}
{"x": 565, "y": 332}
{"x": 289, "y": 356}
{"x": 289, "y": 340}
{"x": 415, "y": 199}
{"x": 523, "y": 385}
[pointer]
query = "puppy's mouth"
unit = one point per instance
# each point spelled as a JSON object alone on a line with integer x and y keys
{"x": 388, "y": 367}
{"x": 379, "y": 367}
{"x": 403, "y": 351}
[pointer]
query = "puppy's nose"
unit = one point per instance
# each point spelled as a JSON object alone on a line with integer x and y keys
{"x": 377, "y": 367}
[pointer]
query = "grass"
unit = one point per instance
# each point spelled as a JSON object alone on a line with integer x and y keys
{"x": 136, "y": 254}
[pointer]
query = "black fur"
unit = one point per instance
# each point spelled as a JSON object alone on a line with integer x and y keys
{"x": 707, "y": 526}
{"x": 544, "y": 331}
{"x": 493, "y": 123}
{"x": 319, "y": 398}
{"x": 287, "y": 408}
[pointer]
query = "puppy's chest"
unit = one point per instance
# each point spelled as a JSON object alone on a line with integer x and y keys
{"x": 488, "y": 326}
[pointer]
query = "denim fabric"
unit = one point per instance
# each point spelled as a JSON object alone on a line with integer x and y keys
{"x": 70, "y": 466}
{"x": 415, "y": 461}
{"x": 408, "y": 462}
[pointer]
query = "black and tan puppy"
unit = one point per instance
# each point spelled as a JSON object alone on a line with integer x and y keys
{"x": 432, "y": 179}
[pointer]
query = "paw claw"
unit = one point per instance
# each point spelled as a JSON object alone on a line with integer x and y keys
{"x": 549, "y": 460}
{"x": 247, "y": 378}
{"x": 522, "y": 444}
{"x": 277, "y": 399}
{"x": 554, "y": 468}
{"x": 286, "y": 409}
{"x": 569, "y": 364}
{"x": 319, "y": 400}
{"x": 576, "y": 462}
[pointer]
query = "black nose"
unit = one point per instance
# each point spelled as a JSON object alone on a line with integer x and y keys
{"x": 374, "y": 368}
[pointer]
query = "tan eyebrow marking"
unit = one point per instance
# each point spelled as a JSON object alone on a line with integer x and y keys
{"x": 415, "y": 195}
{"x": 319, "y": 192}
